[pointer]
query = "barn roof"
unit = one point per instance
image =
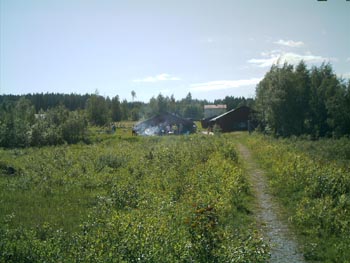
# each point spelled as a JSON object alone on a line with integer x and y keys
{"x": 222, "y": 115}
{"x": 233, "y": 111}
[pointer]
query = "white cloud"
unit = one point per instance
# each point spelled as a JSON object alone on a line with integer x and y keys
{"x": 292, "y": 58}
{"x": 289, "y": 43}
{"x": 271, "y": 53}
{"x": 296, "y": 58}
{"x": 348, "y": 59}
{"x": 344, "y": 75}
{"x": 224, "y": 84}
{"x": 264, "y": 62}
{"x": 160, "y": 77}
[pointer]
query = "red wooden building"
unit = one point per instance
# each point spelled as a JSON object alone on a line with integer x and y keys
{"x": 239, "y": 119}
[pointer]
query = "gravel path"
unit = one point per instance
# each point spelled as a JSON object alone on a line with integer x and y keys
{"x": 284, "y": 248}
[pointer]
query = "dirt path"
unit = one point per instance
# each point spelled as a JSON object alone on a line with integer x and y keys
{"x": 284, "y": 248}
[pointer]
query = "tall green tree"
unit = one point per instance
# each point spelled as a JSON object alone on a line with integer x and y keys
{"x": 116, "y": 113}
{"x": 323, "y": 85}
{"x": 338, "y": 108}
{"x": 159, "y": 105}
{"x": 277, "y": 98}
{"x": 23, "y": 119}
{"x": 74, "y": 129}
{"x": 298, "y": 101}
{"x": 16, "y": 119}
{"x": 97, "y": 110}
{"x": 302, "y": 87}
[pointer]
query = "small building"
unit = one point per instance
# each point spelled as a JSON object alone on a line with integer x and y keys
{"x": 164, "y": 124}
{"x": 239, "y": 119}
{"x": 211, "y": 111}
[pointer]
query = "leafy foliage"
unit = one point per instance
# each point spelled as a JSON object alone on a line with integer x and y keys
{"x": 20, "y": 127}
{"x": 296, "y": 101}
{"x": 97, "y": 110}
{"x": 316, "y": 192}
{"x": 158, "y": 199}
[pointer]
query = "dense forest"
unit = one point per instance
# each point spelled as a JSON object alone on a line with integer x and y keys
{"x": 300, "y": 101}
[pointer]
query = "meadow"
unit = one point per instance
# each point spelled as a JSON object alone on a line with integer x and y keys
{"x": 169, "y": 199}
{"x": 312, "y": 181}
{"x": 128, "y": 199}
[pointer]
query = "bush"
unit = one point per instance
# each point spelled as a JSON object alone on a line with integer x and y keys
{"x": 314, "y": 190}
{"x": 164, "y": 199}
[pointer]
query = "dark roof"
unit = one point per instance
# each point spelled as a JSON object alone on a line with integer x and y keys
{"x": 222, "y": 115}
{"x": 233, "y": 112}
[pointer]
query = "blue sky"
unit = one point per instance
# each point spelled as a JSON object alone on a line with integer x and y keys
{"x": 206, "y": 47}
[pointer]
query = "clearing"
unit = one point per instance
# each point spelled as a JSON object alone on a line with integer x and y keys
{"x": 284, "y": 247}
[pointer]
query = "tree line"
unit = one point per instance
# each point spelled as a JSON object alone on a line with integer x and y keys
{"x": 20, "y": 126}
{"x": 295, "y": 100}
{"x": 102, "y": 110}
{"x": 52, "y": 119}
{"x": 290, "y": 100}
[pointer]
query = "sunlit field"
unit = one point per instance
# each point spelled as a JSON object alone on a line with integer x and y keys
{"x": 312, "y": 180}
{"x": 128, "y": 199}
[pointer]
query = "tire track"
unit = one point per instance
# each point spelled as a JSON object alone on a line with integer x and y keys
{"x": 284, "y": 248}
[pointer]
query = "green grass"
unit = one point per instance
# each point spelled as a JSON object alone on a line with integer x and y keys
{"x": 314, "y": 187}
{"x": 334, "y": 150}
{"x": 128, "y": 199}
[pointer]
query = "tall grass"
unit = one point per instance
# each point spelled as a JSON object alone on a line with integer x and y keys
{"x": 127, "y": 199}
{"x": 315, "y": 189}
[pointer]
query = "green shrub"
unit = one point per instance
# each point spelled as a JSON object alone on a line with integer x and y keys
{"x": 315, "y": 191}
{"x": 168, "y": 199}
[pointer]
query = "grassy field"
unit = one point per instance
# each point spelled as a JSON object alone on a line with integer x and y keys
{"x": 169, "y": 199}
{"x": 312, "y": 180}
{"x": 128, "y": 199}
